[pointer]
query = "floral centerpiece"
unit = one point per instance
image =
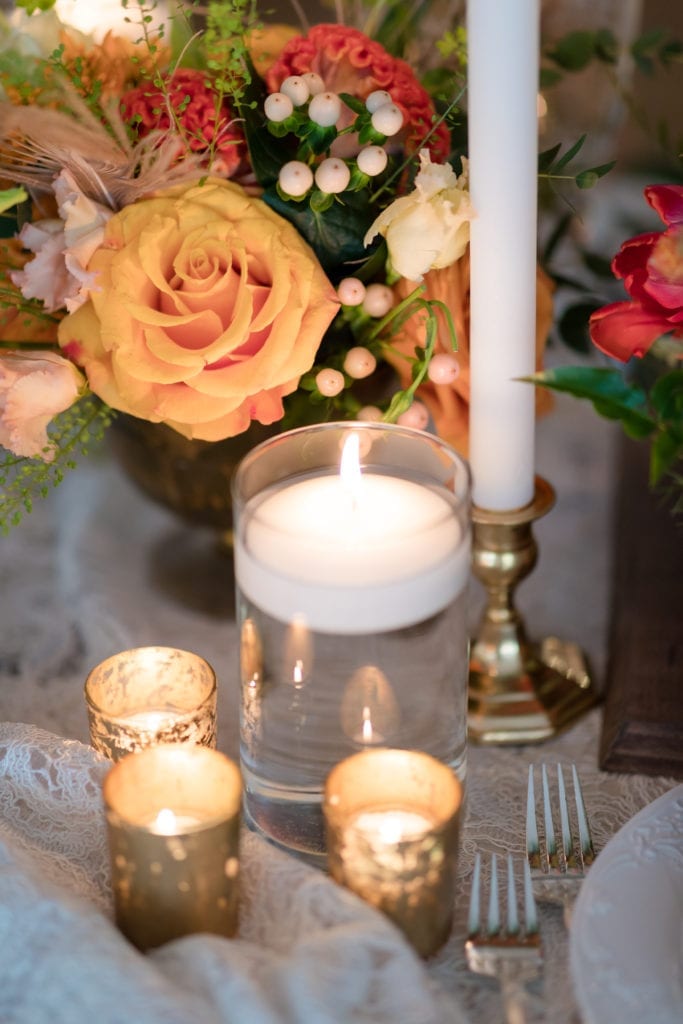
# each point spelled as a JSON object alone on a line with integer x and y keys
{"x": 245, "y": 223}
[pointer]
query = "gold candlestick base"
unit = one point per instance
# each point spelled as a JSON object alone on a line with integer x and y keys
{"x": 519, "y": 691}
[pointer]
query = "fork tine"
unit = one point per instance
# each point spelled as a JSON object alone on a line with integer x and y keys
{"x": 493, "y": 917}
{"x": 567, "y": 842}
{"x": 550, "y": 844}
{"x": 512, "y": 918}
{"x": 533, "y": 849}
{"x": 473, "y": 919}
{"x": 585, "y": 838}
{"x": 530, "y": 911}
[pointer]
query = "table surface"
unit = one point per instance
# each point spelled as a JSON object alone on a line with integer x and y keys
{"x": 97, "y": 569}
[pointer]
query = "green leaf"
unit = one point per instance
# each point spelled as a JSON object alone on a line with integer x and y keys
{"x": 666, "y": 450}
{"x": 10, "y": 197}
{"x": 570, "y": 154}
{"x": 546, "y": 158}
{"x": 590, "y": 177}
{"x": 266, "y": 155}
{"x": 612, "y": 396}
{"x": 549, "y": 77}
{"x": 574, "y": 51}
{"x": 606, "y": 46}
{"x": 353, "y": 103}
{"x": 666, "y": 396}
{"x": 337, "y": 236}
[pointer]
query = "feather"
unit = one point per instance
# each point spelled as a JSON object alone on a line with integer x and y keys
{"x": 37, "y": 143}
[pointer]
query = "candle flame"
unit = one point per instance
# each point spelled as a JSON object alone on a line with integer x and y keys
{"x": 366, "y": 730}
{"x": 298, "y": 652}
{"x": 370, "y": 714}
{"x": 165, "y": 822}
{"x": 349, "y": 467}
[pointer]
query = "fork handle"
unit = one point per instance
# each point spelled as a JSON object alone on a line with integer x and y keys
{"x": 514, "y": 1001}
{"x": 521, "y": 1005}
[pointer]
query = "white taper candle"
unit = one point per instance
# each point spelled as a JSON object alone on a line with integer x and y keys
{"x": 503, "y": 57}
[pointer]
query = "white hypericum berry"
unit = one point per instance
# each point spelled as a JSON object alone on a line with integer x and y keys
{"x": 377, "y": 99}
{"x": 332, "y": 175}
{"x": 378, "y": 300}
{"x": 372, "y": 160}
{"x": 351, "y": 291}
{"x": 325, "y": 109}
{"x": 370, "y": 414}
{"x": 278, "y": 107}
{"x": 296, "y": 88}
{"x": 387, "y": 119}
{"x": 415, "y": 416}
{"x": 359, "y": 362}
{"x": 443, "y": 368}
{"x": 295, "y": 178}
{"x": 314, "y": 82}
{"x": 329, "y": 382}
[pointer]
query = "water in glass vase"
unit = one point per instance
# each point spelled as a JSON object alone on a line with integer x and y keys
{"x": 312, "y": 698}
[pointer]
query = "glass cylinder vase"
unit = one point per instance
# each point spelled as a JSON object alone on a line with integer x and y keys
{"x": 352, "y": 552}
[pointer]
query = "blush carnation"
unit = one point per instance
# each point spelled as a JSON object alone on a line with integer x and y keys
{"x": 193, "y": 101}
{"x": 348, "y": 61}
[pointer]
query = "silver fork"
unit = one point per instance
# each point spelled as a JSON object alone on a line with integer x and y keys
{"x": 509, "y": 952}
{"x": 549, "y": 860}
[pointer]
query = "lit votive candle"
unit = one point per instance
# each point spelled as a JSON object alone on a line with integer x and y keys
{"x": 173, "y": 828}
{"x": 392, "y": 821}
{"x": 150, "y": 695}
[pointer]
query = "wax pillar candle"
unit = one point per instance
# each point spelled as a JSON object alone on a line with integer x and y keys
{"x": 503, "y": 41}
{"x": 376, "y": 555}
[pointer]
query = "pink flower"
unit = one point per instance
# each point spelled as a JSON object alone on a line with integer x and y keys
{"x": 57, "y": 275}
{"x": 348, "y": 61}
{"x": 651, "y": 267}
{"x": 34, "y": 387}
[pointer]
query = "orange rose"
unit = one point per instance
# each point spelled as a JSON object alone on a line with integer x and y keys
{"x": 208, "y": 308}
{"x": 449, "y": 403}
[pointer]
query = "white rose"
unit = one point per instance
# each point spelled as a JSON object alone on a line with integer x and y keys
{"x": 430, "y": 228}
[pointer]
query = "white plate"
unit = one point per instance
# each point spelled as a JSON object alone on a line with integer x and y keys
{"x": 626, "y": 939}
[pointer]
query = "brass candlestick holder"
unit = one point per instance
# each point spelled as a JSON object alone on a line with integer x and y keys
{"x": 520, "y": 691}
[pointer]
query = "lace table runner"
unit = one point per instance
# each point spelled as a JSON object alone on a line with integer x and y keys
{"x": 97, "y": 569}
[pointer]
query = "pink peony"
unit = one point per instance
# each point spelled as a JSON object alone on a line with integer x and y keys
{"x": 348, "y": 61}
{"x": 651, "y": 267}
{"x": 34, "y": 388}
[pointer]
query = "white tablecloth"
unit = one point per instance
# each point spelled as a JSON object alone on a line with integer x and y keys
{"x": 97, "y": 569}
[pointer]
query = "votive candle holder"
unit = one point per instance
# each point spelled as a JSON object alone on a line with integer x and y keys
{"x": 173, "y": 814}
{"x": 392, "y": 822}
{"x": 150, "y": 695}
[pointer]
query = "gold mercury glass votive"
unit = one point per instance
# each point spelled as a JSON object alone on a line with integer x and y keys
{"x": 173, "y": 816}
{"x": 150, "y": 695}
{"x": 392, "y": 821}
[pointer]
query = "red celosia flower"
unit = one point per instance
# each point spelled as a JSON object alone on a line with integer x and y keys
{"x": 651, "y": 267}
{"x": 194, "y": 103}
{"x": 348, "y": 61}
